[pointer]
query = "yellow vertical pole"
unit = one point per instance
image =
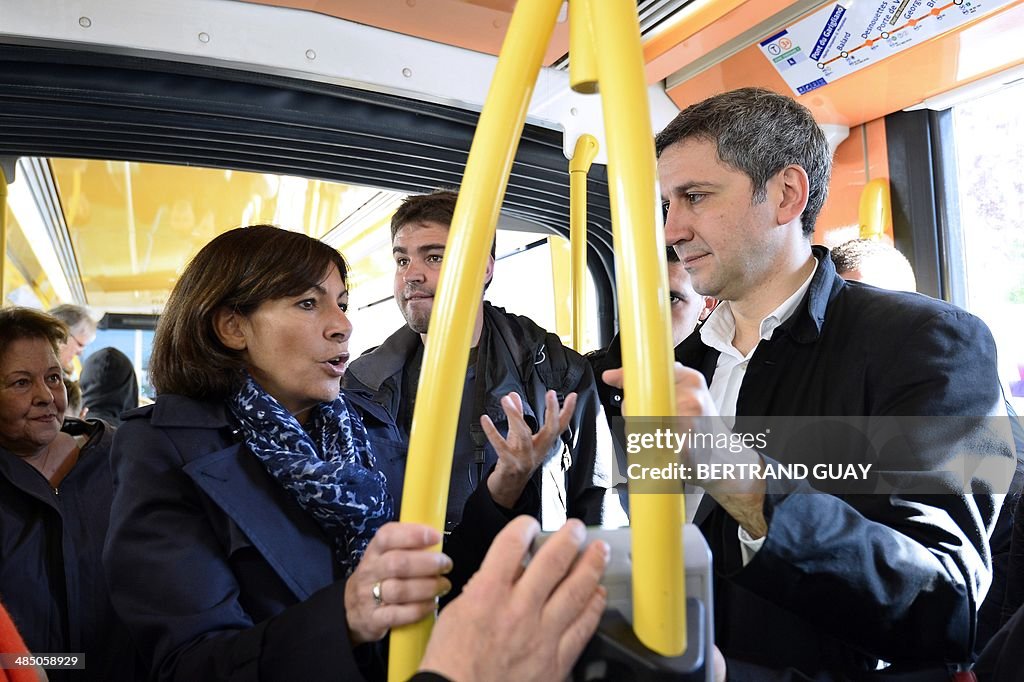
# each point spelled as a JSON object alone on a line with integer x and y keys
{"x": 458, "y": 294}
{"x": 579, "y": 166}
{"x": 561, "y": 281}
{"x": 582, "y": 56}
{"x": 659, "y": 614}
{"x": 875, "y": 210}
{"x": 3, "y": 237}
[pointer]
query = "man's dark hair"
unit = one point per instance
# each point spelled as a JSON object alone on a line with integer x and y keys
{"x": 853, "y": 254}
{"x": 436, "y": 207}
{"x": 875, "y": 262}
{"x": 759, "y": 133}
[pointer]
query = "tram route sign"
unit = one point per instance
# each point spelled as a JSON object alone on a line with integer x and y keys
{"x": 844, "y": 37}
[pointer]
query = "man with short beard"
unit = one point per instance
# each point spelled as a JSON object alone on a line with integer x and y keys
{"x": 529, "y": 419}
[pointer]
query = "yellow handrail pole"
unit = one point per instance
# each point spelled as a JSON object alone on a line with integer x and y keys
{"x": 582, "y": 58}
{"x": 458, "y": 294}
{"x": 579, "y": 166}
{"x": 3, "y": 237}
{"x": 659, "y": 613}
{"x": 875, "y": 210}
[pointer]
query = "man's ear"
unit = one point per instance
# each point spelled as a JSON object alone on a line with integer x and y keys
{"x": 795, "y": 190}
{"x": 489, "y": 272}
{"x": 229, "y": 327}
{"x": 709, "y": 304}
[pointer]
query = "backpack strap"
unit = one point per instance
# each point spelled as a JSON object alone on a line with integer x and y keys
{"x": 476, "y": 431}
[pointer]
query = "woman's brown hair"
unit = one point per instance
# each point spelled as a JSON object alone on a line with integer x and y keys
{"x": 239, "y": 270}
{"x": 26, "y": 323}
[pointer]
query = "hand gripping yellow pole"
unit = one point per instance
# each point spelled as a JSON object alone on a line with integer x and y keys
{"x": 659, "y": 613}
{"x": 458, "y": 294}
{"x": 582, "y": 157}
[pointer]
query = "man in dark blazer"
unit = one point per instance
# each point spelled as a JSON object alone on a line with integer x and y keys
{"x": 824, "y": 585}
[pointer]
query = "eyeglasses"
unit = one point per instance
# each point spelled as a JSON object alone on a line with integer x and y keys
{"x": 77, "y": 340}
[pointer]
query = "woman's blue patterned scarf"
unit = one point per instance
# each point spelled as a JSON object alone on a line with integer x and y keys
{"x": 330, "y": 470}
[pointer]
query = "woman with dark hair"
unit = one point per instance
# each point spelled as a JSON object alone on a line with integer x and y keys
{"x": 55, "y": 492}
{"x": 249, "y": 533}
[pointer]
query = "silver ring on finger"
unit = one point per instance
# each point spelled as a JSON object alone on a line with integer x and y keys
{"x": 375, "y": 591}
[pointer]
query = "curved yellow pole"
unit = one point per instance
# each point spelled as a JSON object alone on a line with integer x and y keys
{"x": 458, "y": 293}
{"x": 582, "y": 53}
{"x": 659, "y": 613}
{"x": 579, "y": 166}
{"x": 875, "y": 211}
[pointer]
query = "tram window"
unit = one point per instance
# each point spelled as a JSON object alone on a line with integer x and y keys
{"x": 519, "y": 287}
{"x": 989, "y": 147}
{"x": 133, "y": 226}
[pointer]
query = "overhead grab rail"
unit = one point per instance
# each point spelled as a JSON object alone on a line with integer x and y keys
{"x": 659, "y": 613}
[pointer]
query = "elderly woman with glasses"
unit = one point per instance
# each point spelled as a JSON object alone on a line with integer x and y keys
{"x": 55, "y": 493}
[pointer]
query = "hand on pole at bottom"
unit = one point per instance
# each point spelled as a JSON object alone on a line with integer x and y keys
{"x": 522, "y": 623}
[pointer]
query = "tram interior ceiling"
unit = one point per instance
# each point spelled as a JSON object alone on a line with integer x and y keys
{"x": 73, "y": 104}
